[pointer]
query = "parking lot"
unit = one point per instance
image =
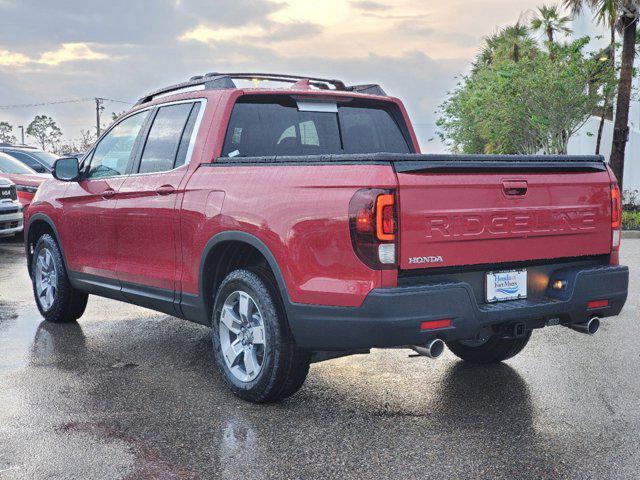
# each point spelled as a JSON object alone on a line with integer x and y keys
{"x": 129, "y": 393}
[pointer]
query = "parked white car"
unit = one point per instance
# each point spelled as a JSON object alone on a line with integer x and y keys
{"x": 11, "y": 217}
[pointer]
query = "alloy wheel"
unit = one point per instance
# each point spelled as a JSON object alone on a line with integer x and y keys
{"x": 46, "y": 277}
{"x": 242, "y": 336}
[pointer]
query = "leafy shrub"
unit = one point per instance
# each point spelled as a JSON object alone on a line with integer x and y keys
{"x": 630, "y": 220}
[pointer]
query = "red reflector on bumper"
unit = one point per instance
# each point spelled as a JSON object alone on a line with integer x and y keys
{"x": 597, "y": 304}
{"x": 435, "y": 324}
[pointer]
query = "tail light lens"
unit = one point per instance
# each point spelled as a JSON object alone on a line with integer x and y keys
{"x": 373, "y": 225}
{"x": 616, "y": 217}
{"x": 616, "y": 207}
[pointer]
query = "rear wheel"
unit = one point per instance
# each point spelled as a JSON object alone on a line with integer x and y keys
{"x": 57, "y": 300}
{"x": 253, "y": 347}
{"x": 492, "y": 350}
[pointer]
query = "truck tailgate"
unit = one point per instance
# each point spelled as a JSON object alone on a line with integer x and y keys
{"x": 469, "y": 217}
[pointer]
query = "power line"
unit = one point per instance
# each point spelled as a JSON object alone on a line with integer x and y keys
{"x": 59, "y": 102}
{"x": 116, "y": 101}
{"x": 25, "y": 105}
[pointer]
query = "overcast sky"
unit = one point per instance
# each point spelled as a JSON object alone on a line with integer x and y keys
{"x": 120, "y": 49}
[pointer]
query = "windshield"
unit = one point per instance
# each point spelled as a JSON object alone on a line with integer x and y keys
{"x": 13, "y": 166}
{"x": 269, "y": 126}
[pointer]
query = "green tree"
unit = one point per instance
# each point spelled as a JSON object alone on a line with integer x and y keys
{"x": 510, "y": 43}
{"x": 5, "y": 133}
{"x": 513, "y": 42}
{"x": 627, "y": 14}
{"x": 45, "y": 130}
{"x": 550, "y": 21}
{"x": 524, "y": 107}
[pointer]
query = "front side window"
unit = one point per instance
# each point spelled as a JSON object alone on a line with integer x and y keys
{"x": 275, "y": 126}
{"x": 112, "y": 155}
{"x": 161, "y": 148}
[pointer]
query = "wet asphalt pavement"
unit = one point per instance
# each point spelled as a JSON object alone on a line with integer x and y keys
{"x": 129, "y": 393}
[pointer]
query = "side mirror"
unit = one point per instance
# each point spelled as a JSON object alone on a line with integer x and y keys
{"x": 66, "y": 169}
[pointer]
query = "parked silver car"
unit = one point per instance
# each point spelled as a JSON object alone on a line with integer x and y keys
{"x": 11, "y": 218}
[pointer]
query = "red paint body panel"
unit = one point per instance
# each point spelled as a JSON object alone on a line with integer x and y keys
{"x": 453, "y": 219}
{"x": 147, "y": 229}
{"x": 299, "y": 212}
{"x": 89, "y": 226}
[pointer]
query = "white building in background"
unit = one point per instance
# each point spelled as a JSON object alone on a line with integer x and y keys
{"x": 584, "y": 142}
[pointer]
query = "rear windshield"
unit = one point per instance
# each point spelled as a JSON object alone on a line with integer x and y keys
{"x": 267, "y": 127}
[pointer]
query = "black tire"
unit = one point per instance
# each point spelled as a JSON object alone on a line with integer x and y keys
{"x": 284, "y": 366}
{"x": 69, "y": 304}
{"x": 494, "y": 350}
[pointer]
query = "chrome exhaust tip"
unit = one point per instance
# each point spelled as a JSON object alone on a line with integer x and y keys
{"x": 433, "y": 349}
{"x": 589, "y": 328}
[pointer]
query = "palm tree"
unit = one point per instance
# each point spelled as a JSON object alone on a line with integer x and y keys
{"x": 550, "y": 21}
{"x": 512, "y": 43}
{"x": 627, "y": 14}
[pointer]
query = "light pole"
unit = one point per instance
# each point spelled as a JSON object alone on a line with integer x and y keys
{"x": 21, "y": 132}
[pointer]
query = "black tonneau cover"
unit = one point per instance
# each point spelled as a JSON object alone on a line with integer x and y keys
{"x": 412, "y": 162}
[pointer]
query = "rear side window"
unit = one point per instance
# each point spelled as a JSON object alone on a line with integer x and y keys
{"x": 165, "y": 137}
{"x": 275, "y": 126}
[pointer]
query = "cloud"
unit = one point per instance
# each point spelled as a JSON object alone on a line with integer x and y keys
{"x": 70, "y": 52}
{"x": 67, "y": 52}
{"x": 272, "y": 33}
{"x": 369, "y": 5}
{"x": 12, "y": 59}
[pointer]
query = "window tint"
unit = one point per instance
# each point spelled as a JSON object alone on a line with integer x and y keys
{"x": 111, "y": 156}
{"x": 161, "y": 148}
{"x": 11, "y": 165}
{"x": 27, "y": 160}
{"x": 260, "y": 127}
{"x": 187, "y": 136}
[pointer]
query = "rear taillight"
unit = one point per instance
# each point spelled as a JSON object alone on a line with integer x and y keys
{"x": 616, "y": 207}
{"x": 616, "y": 217}
{"x": 373, "y": 225}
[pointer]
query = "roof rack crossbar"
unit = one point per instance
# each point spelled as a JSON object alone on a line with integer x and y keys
{"x": 215, "y": 80}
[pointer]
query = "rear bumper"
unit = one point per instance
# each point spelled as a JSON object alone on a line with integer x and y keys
{"x": 392, "y": 317}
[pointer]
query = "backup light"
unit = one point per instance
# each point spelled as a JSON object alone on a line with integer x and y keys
{"x": 387, "y": 253}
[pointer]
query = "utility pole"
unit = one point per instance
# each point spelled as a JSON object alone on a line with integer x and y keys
{"x": 21, "y": 127}
{"x": 98, "y": 110}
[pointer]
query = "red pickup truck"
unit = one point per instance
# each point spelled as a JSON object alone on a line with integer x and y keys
{"x": 303, "y": 224}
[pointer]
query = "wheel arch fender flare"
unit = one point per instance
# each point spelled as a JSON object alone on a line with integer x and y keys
{"x": 252, "y": 240}
{"x": 41, "y": 217}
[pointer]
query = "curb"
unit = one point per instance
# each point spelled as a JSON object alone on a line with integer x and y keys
{"x": 631, "y": 234}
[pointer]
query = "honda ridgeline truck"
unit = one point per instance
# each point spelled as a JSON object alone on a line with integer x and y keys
{"x": 303, "y": 224}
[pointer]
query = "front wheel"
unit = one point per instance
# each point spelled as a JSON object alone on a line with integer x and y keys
{"x": 493, "y": 350}
{"x": 57, "y": 300}
{"x": 253, "y": 347}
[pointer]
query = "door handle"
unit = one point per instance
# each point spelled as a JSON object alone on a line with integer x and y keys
{"x": 108, "y": 193}
{"x": 165, "y": 190}
{"x": 515, "y": 188}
